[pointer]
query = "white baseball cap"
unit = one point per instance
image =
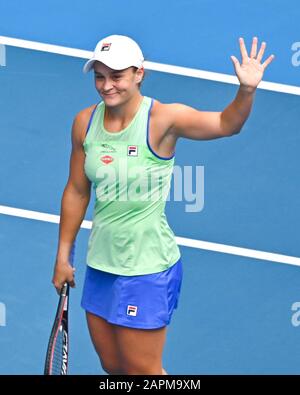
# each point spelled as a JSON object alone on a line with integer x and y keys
{"x": 117, "y": 52}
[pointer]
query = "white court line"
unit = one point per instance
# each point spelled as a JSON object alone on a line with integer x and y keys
{"x": 166, "y": 68}
{"x": 18, "y": 212}
{"x": 199, "y": 244}
{"x": 37, "y": 46}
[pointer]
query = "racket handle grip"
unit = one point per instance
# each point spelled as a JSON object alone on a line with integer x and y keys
{"x": 63, "y": 291}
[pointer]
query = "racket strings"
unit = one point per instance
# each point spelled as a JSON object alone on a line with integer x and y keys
{"x": 59, "y": 359}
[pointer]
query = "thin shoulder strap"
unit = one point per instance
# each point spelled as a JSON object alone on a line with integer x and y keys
{"x": 91, "y": 118}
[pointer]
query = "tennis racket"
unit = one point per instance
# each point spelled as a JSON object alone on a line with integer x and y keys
{"x": 58, "y": 346}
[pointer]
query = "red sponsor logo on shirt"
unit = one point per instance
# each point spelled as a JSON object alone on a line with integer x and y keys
{"x": 107, "y": 159}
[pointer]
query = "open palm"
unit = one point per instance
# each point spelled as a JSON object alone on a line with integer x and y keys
{"x": 251, "y": 71}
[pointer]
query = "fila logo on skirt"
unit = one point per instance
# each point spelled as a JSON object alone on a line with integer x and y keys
{"x": 132, "y": 310}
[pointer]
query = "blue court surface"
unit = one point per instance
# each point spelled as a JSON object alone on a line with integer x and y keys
{"x": 240, "y": 300}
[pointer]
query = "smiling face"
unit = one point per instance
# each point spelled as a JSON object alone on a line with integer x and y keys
{"x": 116, "y": 86}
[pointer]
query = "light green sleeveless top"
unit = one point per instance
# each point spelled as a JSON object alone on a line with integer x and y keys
{"x": 130, "y": 233}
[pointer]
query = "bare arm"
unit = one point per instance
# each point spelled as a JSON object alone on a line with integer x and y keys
{"x": 200, "y": 125}
{"x": 75, "y": 200}
{"x": 207, "y": 125}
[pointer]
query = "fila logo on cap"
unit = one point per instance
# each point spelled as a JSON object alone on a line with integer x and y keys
{"x": 132, "y": 150}
{"x": 105, "y": 46}
{"x": 132, "y": 310}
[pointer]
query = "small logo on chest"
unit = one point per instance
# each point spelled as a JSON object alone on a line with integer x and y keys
{"x": 107, "y": 148}
{"x": 107, "y": 159}
{"x": 132, "y": 150}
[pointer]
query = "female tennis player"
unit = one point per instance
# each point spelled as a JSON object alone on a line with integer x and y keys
{"x": 124, "y": 146}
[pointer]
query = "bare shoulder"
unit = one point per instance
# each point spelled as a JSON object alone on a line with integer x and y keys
{"x": 164, "y": 112}
{"x": 80, "y": 124}
{"x": 169, "y": 110}
{"x": 164, "y": 109}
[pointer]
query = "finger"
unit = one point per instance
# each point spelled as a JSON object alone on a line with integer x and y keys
{"x": 235, "y": 62}
{"x": 58, "y": 285}
{"x": 71, "y": 280}
{"x": 253, "y": 48}
{"x": 243, "y": 49}
{"x": 72, "y": 284}
{"x": 261, "y": 51}
{"x": 268, "y": 61}
{"x": 58, "y": 288}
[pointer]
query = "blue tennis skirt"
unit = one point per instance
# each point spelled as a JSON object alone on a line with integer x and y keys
{"x": 145, "y": 301}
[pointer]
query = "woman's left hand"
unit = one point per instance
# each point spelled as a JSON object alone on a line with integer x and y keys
{"x": 251, "y": 71}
